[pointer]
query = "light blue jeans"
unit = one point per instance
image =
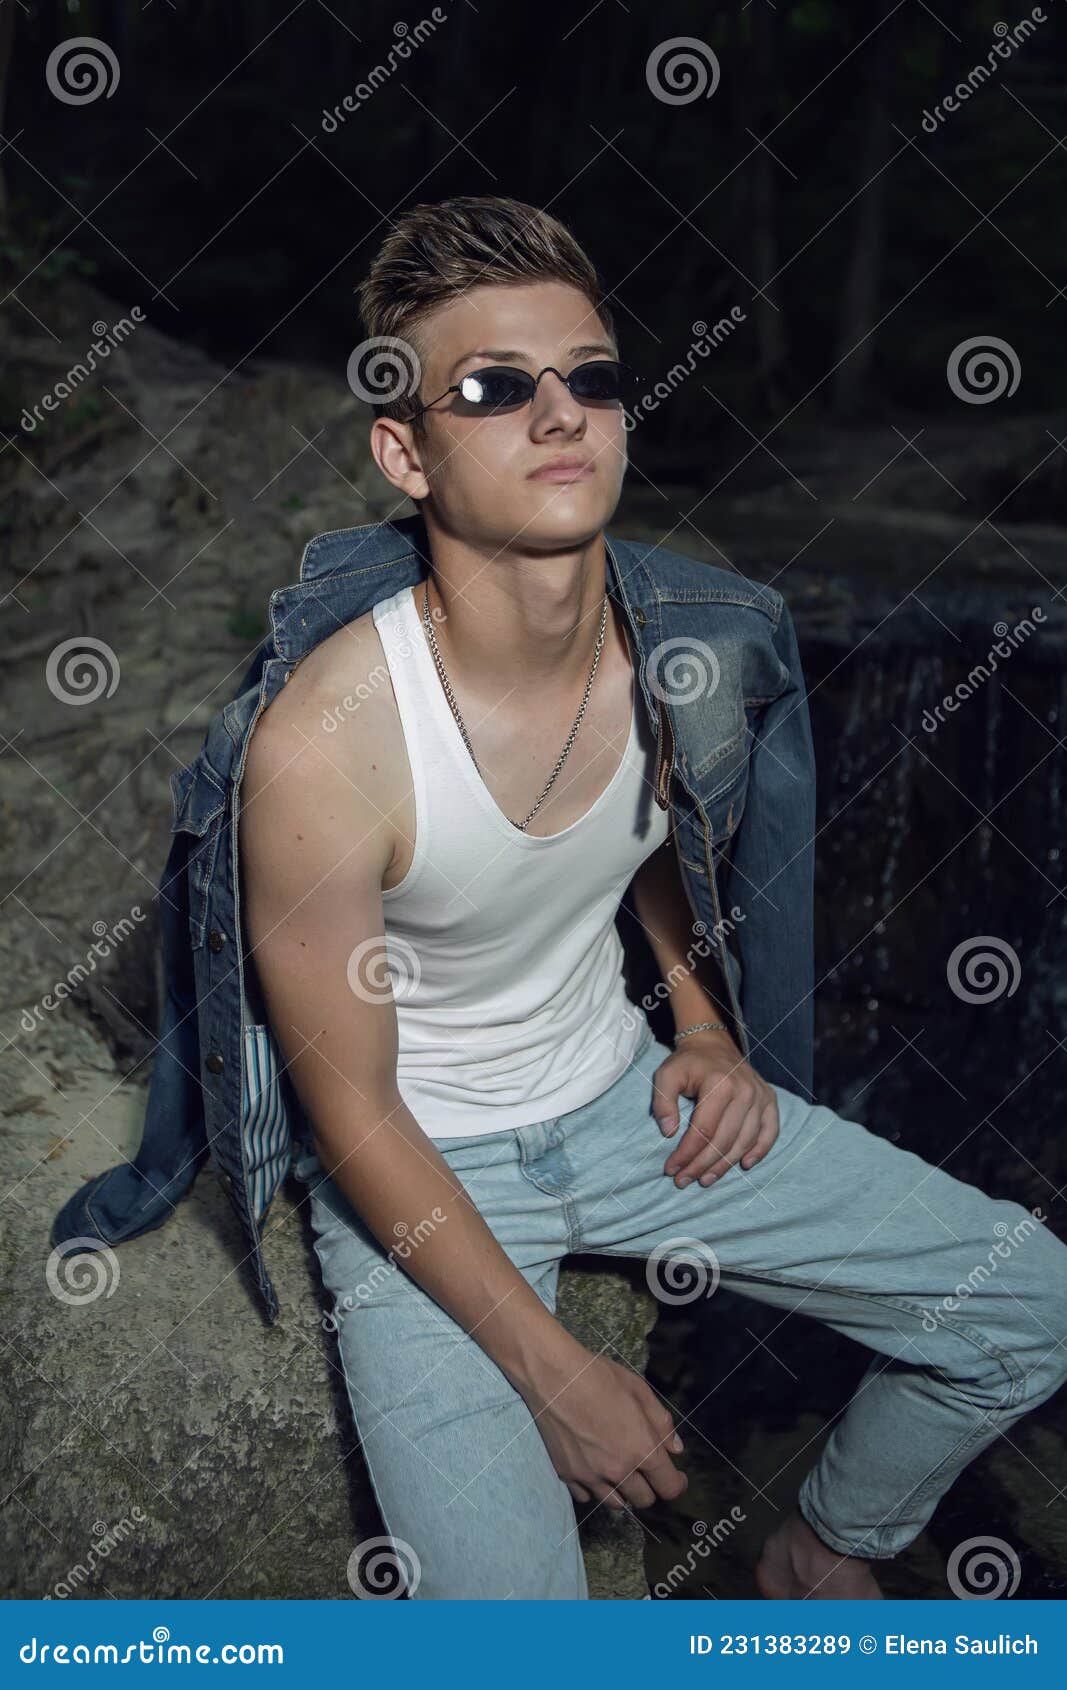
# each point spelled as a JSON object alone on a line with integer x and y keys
{"x": 962, "y": 1299}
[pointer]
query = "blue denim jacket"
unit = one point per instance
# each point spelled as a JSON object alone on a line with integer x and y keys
{"x": 720, "y": 677}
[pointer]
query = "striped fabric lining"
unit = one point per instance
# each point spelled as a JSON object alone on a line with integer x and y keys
{"x": 264, "y": 1121}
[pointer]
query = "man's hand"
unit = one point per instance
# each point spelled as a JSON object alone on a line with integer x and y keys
{"x": 734, "y": 1118}
{"x": 606, "y": 1431}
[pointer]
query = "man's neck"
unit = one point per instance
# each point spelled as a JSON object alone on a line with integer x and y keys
{"x": 517, "y": 620}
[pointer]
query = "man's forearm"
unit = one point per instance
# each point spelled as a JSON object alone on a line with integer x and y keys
{"x": 695, "y": 985}
{"x": 401, "y": 1186}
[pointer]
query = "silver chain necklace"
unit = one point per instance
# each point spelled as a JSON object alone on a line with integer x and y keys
{"x": 431, "y": 637}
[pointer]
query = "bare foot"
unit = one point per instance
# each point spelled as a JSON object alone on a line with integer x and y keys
{"x": 798, "y": 1565}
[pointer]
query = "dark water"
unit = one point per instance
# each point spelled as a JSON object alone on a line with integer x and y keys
{"x": 940, "y": 942}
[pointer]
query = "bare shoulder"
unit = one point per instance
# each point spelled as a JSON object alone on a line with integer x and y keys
{"x": 327, "y": 757}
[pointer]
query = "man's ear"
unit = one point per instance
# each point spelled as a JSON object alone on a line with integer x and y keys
{"x": 398, "y": 456}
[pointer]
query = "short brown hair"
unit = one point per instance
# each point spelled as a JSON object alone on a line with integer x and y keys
{"x": 436, "y": 251}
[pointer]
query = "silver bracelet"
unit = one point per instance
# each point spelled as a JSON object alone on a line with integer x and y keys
{"x": 700, "y": 1027}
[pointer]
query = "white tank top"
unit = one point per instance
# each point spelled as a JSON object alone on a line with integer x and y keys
{"x": 504, "y": 957}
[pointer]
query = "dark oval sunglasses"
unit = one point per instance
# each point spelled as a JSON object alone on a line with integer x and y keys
{"x": 503, "y": 387}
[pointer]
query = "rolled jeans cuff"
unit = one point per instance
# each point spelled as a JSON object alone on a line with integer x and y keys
{"x": 869, "y": 1548}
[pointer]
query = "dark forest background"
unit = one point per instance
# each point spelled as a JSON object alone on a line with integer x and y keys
{"x": 798, "y": 162}
{"x": 804, "y": 189}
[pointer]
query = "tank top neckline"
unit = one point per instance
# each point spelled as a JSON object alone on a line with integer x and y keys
{"x": 411, "y": 619}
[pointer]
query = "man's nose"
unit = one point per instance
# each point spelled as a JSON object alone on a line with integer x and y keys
{"x": 554, "y": 400}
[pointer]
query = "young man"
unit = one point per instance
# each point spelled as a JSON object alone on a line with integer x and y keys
{"x": 440, "y": 813}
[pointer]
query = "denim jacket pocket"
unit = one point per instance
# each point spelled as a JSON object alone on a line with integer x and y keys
{"x": 721, "y": 779}
{"x": 722, "y": 776}
{"x": 199, "y": 808}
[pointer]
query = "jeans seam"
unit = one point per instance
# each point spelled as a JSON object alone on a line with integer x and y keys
{"x": 566, "y": 1202}
{"x": 574, "y": 1242}
{"x": 393, "y": 1537}
{"x": 993, "y": 1352}
{"x": 919, "y": 1495}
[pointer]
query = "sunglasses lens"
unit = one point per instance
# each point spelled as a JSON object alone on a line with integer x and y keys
{"x": 494, "y": 389}
{"x": 603, "y": 379}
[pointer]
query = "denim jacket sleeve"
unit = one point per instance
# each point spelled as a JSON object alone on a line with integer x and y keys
{"x": 771, "y": 872}
{"x": 135, "y": 1197}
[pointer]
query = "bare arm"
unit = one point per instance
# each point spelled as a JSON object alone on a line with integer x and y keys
{"x": 697, "y": 991}
{"x": 735, "y": 1115}
{"x": 315, "y": 845}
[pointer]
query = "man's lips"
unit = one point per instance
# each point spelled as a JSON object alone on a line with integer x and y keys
{"x": 564, "y": 469}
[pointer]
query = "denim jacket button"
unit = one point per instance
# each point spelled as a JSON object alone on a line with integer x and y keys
{"x": 639, "y": 616}
{"x": 214, "y": 1063}
{"x": 216, "y": 940}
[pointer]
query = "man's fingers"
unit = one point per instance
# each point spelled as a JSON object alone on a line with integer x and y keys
{"x": 667, "y": 1480}
{"x": 707, "y": 1169}
{"x": 579, "y": 1492}
{"x": 705, "y": 1123}
{"x": 637, "y": 1491}
{"x": 766, "y": 1136}
{"x": 713, "y": 1125}
{"x": 666, "y": 1089}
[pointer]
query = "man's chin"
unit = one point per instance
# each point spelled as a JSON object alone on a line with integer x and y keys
{"x": 570, "y": 521}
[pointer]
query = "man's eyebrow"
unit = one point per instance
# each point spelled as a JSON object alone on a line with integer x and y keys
{"x": 511, "y": 355}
